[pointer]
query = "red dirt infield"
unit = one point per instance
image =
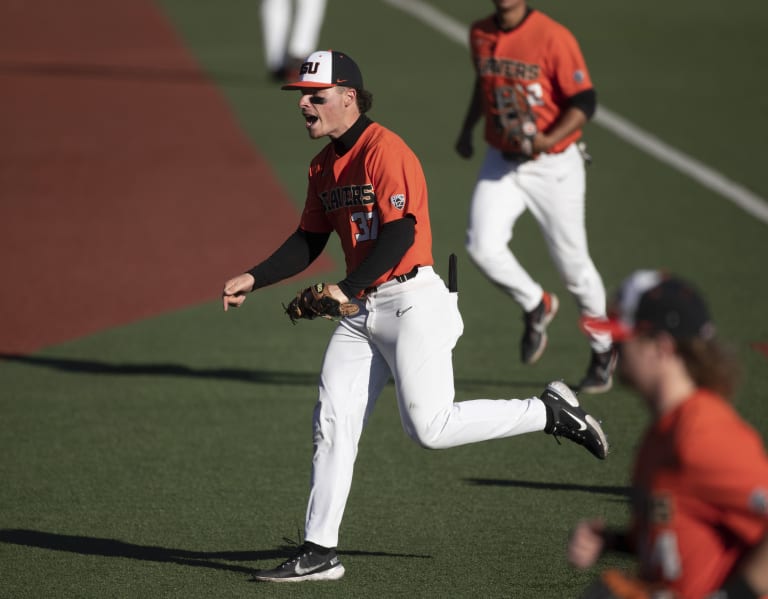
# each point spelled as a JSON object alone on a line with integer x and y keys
{"x": 126, "y": 187}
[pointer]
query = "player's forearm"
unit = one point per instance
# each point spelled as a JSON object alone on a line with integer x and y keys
{"x": 293, "y": 256}
{"x": 394, "y": 240}
{"x": 571, "y": 120}
{"x": 755, "y": 569}
{"x": 750, "y": 581}
{"x": 580, "y": 109}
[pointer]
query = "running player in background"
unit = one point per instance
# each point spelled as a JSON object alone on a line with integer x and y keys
{"x": 290, "y": 30}
{"x": 368, "y": 186}
{"x": 700, "y": 483}
{"x": 519, "y": 48}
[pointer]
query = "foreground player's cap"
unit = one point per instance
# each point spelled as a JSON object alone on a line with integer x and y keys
{"x": 652, "y": 301}
{"x": 328, "y": 68}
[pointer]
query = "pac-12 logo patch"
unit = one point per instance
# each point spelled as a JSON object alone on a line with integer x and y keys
{"x": 758, "y": 501}
{"x": 398, "y": 200}
{"x": 578, "y": 76}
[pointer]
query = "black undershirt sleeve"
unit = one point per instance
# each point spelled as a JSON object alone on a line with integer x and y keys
{"x": 394, "y": 240}
{"x": 296, "y": 253}
{"x": 617, "y": 540}
{"x": 585, "y": 101}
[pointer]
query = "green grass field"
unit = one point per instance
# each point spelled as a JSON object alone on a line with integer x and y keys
{"x": 171, "y": 457}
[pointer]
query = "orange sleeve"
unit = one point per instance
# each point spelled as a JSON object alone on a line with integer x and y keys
{"x": 569, "y": 67}
{"x": 313, "y": 218}
{"x": 398, "y": 179}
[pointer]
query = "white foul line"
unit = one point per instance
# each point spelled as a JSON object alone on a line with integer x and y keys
{"x": 698, "y": 171}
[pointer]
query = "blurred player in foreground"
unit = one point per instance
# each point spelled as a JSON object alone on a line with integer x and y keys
{"x": 401, "y": 322}
{"x": 700, "y": 482}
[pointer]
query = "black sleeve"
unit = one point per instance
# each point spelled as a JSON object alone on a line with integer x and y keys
{"x": 585, "y": 101}
{"x": 296, "y": 253}
{"x": 394, "y": 240}
{"x": 617, "y": 540}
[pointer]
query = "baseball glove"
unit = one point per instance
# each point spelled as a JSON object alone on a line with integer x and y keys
{"x": 316, "y": 301}
{"x": 516, "y": 117}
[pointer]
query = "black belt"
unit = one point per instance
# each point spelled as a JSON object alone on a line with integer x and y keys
{"x": 520, "y": 157}
{"x": 516, "y": 156}
{"x": 399, "y": 278}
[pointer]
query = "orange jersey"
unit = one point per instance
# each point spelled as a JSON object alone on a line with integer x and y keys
{"x": 701, "y": 496}
{"x": 378, "y": 180}
{"x": 543, "y": 57}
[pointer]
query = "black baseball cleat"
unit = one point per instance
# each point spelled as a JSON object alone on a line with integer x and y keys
{"x": 565, "y": 418}
{"x": 599, "y": 376}
{"x": 311, "y": 562}
{"x": 534, "y": 340}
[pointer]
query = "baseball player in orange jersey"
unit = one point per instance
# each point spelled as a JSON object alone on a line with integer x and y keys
{"x": 369, "y": 187}
{"x": 700, "y": 482}
{"x": 534, "y": 90}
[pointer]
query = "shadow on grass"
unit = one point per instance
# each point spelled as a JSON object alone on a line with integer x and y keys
{"x": 268, "y": 377}
{"x": 622, "y": 492}
{"x": 76, "y": 366}
{"x": 198, "y": 559}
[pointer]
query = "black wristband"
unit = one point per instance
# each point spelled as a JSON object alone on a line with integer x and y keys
{"x": 737, "y": 588}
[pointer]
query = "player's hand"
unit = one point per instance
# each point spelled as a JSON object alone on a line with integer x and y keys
{"x": 336, "y": 293}
{"x": 586, "y": 542}
{"x": 324, "y": 300}
{"x": 464, "y": 146}
{"x": 235, "y": 290}
{"x": 541, "y": 143}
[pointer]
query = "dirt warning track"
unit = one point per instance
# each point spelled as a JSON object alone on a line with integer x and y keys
{"x": 126, "y": 187}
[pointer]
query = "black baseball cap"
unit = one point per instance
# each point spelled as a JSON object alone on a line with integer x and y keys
{"x": 652, "y": 301}
{"x": 328, "y": 68}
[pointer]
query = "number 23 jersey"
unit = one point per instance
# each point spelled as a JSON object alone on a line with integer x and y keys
{"x": 543, "y": 57}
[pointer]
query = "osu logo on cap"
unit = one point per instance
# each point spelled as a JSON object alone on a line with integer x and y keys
{"x": 309, "y": 68}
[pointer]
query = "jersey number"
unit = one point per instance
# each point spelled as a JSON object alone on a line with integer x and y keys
{"x": 535, "y": 94}
{"x": 666, "y": 555}
{"x": 505, "y": 103}
{"x": 368, "y": 225}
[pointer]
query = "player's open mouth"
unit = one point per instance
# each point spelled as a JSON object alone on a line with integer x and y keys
{"x": 310, "y": 120}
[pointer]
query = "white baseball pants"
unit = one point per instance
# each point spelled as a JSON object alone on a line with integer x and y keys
{"x": 553, "y": 188}
{"x": 406, "y": 331}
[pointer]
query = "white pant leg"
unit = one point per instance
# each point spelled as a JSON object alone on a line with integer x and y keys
{"x": 307, "y": 22}
{"x": 418, "y": 347}
{"x": 275, "y": 27}
{"x": 353, "y": 375}
{"x": 556, "y": 186}
{"x": 497, "y": 203}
